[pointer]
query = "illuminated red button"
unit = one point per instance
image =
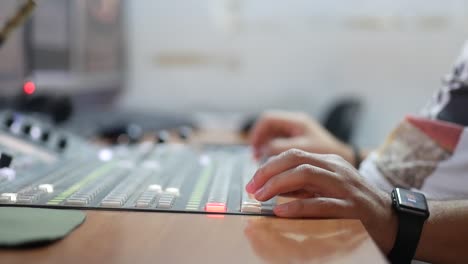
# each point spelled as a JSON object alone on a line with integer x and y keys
{"x": 29, "y": 88}
{"x": 215, "y": 207}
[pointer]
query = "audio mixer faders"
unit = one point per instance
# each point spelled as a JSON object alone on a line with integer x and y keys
{"x": 143, "y": 177}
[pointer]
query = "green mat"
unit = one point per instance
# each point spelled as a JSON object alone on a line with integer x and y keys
{"x": 23, "y": 227}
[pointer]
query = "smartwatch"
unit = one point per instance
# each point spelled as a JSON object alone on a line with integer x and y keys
{"x": 412, "y": 210}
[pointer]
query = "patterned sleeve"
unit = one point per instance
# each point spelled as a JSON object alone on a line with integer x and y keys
{"x": 429, "y": 153}
{"x": 451, "y": 102}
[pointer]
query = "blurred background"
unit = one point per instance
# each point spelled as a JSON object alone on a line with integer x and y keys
{"x": 235, "y": 58}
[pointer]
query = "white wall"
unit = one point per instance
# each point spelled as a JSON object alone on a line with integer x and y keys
{"x": 251, "y": 55}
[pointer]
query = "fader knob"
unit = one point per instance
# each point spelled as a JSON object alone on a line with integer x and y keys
{"x": 26, "y": 129}
{"x": 162, "y": 136}
{"x": 5, "y": 160}
{"x": 134, "y": 133}
{"x": 62, "y": 143}
{"x": 9, "y": 120}
{"x": 45, "y": 136}
{"x": 185, "y": 132}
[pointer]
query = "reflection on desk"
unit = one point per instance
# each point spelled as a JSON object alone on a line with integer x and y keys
{"x": 134, "y": 237}
{"x": 319, "y": 241}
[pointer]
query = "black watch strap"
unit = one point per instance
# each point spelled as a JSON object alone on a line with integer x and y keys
{"x": 407, "y": 239}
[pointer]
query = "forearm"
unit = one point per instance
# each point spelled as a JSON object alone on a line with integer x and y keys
{"x": 445, "y": 234}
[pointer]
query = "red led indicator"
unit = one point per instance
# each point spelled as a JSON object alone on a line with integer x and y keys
{"x": 215, "y": 207}
{"x": 29, "y": 87}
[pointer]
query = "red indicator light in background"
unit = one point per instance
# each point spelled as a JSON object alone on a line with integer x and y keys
{"x": 215, "y": 207}
{"x": 29, "y": 88}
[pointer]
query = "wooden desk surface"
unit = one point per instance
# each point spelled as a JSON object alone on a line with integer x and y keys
{"x": 137, "y": 237}
{"x": 134, "y": 237}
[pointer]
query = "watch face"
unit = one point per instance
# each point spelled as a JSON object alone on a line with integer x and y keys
{"x": 412, "y": 200}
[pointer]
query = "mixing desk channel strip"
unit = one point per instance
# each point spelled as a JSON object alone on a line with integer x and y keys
{"x": 120, "y": 194}
{"x": 89, "y": 192}
{"x": 144, "y": 177}
{"x": 218, "y": 196}
{"x": 200, "y": 187}
{"x": 31, "y": 193}
{"x": 92, "y": 176}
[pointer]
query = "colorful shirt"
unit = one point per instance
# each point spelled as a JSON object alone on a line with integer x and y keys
{"x": 429, "y": 152}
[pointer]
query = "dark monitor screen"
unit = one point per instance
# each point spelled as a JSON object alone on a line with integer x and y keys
{"x": 11, "y": 53}
{"x": 77, "y": 46}
{"x": 71, "y": 47}
{"x": 412, "y": 199}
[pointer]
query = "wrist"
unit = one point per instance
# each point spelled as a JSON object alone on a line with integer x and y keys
{"x": 391, "y": 231}
{"x": 382, "y": 225}
{"x": 348, "y": 153}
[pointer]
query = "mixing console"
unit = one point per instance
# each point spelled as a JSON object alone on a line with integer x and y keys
{"x": 61, "y": 170}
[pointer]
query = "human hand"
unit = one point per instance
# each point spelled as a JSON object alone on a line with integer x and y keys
{"x": 327, "y": 187}
{"x": 278, "y": 131}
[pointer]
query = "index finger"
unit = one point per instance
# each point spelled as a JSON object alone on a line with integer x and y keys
{"x": 283, "y": 162}
{"x": 304, "y": 177}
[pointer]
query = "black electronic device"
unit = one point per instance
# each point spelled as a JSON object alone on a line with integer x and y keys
{"x": 66, "y": 171}
{"x": 70, "y": 53}
{"x": 412, "y": 210}
{"x": 12, "y": 59}
{"x": 75, "y": 48}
